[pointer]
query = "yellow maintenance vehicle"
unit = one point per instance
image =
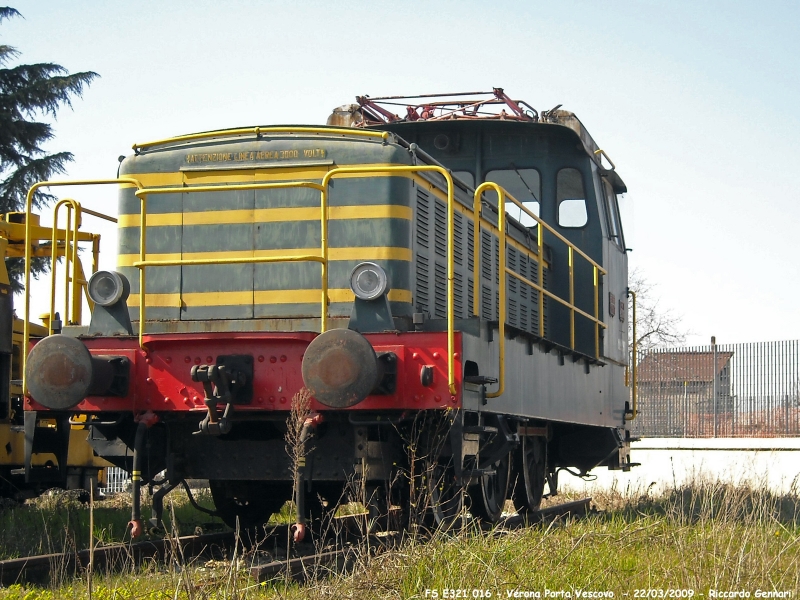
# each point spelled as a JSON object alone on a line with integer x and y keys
{"x": 58, "y": 455}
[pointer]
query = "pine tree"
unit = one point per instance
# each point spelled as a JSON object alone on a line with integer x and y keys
{"x": 29, "y": 93}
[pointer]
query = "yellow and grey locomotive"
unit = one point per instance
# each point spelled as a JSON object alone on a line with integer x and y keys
{"x": 449, "y": 286}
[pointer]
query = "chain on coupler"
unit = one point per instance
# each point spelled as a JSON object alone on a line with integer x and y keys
{"x": 218, "y": 385}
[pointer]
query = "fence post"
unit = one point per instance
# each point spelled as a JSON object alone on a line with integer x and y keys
{"x": 715, "y": 385}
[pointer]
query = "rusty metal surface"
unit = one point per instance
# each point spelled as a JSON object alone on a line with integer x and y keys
{"x": 340, "y": 368}
{"x": 59, "y": 372}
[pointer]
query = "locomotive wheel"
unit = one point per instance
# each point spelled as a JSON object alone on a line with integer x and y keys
{"x": 445, "y": 495}
{"x": 253, "y": 502}
{"x": 531, "y": 472}
{"x": 489, "y": 496}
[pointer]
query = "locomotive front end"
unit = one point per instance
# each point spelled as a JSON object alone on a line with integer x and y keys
{"x": 274, "y": 261}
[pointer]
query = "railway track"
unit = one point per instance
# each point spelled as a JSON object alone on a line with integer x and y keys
{"x": 306, "y": 562}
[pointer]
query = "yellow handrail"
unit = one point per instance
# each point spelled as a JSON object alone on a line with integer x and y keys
{"x": 323, "y": 258}
{"x": 634, "y": 405}
{"x": 451, "y": 378}
{"x": 384, "y": 135}
{"x": 504, "y": 271}
{"x": 73, "y": 223}
{"x": 142, "y": 264}
{"x": 28, "y": 255}
{"x": 501, "y": 228}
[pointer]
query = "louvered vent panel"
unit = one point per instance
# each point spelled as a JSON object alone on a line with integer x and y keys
{"x": 440, "y": 224}
{"x": 512, "y": 316}
{"x": 524, "y": 311}
{"x": 440, "y": 291}
{"x": 486, "y": 302}
{"x": 423, "y": 298}
{"x": 458, "y": 240}
{"x": 458, "y": 295}
{"x": 423, "y": 219}
{"x": 486, "y": 255}
{"x": 496, "y": 255}
{"x": 511, "y": 263}
{"x": 470, "y": 246}
{"x": 470, "y": 296}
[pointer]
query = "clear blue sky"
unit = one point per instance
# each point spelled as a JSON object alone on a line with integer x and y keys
{"x": 696, "y": 102}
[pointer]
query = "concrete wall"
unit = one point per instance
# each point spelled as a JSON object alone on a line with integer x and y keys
{"x": 667, "y": 462}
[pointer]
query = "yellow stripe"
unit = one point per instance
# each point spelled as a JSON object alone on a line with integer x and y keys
{"x": 259, "y": 173}
{"x": 258, "y": 297}
{"x": 349, "y": 212}
{"x": 153, "y": 220}
{"x": 268, "y": 215}
{"x": 354, "y": 253}
{"x": 374, "y": 211}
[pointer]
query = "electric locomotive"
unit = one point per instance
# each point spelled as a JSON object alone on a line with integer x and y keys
{"x": 449, "y": 286}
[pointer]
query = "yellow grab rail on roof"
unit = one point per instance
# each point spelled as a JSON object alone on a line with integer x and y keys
{"x": 258, "y": 131}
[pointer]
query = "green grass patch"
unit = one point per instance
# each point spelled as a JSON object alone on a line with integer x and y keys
{"x": 708, "y": 536}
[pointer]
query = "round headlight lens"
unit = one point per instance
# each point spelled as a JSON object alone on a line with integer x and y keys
{"x": 108, "y": 287}
{"x": 369, "y": 281}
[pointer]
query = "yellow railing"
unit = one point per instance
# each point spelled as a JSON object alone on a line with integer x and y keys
{"x": 142, "y": 263}
{"x": 502, "y": 195}
{"x": 75, "y": 281}
{"x": 634, "y": 353}
{"x": 451, "y": 377}
{"x": 142, "y": 193}
{"x": 29, "y": 228}
{"x": 384, "y": 135}
{"x": 322, "y": 258}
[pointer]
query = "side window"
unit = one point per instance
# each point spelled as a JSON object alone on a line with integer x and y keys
{"x": 525, "y": 185}
{"x": 612, "y": 210}
{"x": 466, "y": 177}
{"x": 571, "y": 199}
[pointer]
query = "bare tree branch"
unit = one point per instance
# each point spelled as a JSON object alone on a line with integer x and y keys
{"x": 656, "y": 326}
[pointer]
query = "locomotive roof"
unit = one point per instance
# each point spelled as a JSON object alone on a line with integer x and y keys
{"x": 496, "y": 105}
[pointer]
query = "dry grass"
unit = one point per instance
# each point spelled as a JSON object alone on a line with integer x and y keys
{"x": 703, "y": 536}
{"x": 58, "y": 522}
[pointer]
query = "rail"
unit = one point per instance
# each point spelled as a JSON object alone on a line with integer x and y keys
{"x": 634, "y": 353}
{"x": 502, "y": 195}
{"x": 142, "y": 264}
{"x": 258, "y": 131}
{"x": 29, "y": 230}
{"x": 451, "y": 378}
{"x": 75, "y": 282}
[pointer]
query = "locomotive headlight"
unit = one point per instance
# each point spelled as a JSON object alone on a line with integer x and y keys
{"x": 369, "y": 281}
{"x": 106, "y": 288}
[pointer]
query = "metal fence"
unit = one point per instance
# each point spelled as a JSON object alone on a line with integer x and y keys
{"x": 117, "y": 480}
{"x": 722, "y": 390}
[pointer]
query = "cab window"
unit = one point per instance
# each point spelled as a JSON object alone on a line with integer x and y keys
{"x": 612, "y": 210}
{"x": 525, "y": 185}
{"x": 466, "y": 177}
{"x": 571, "y": 199}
